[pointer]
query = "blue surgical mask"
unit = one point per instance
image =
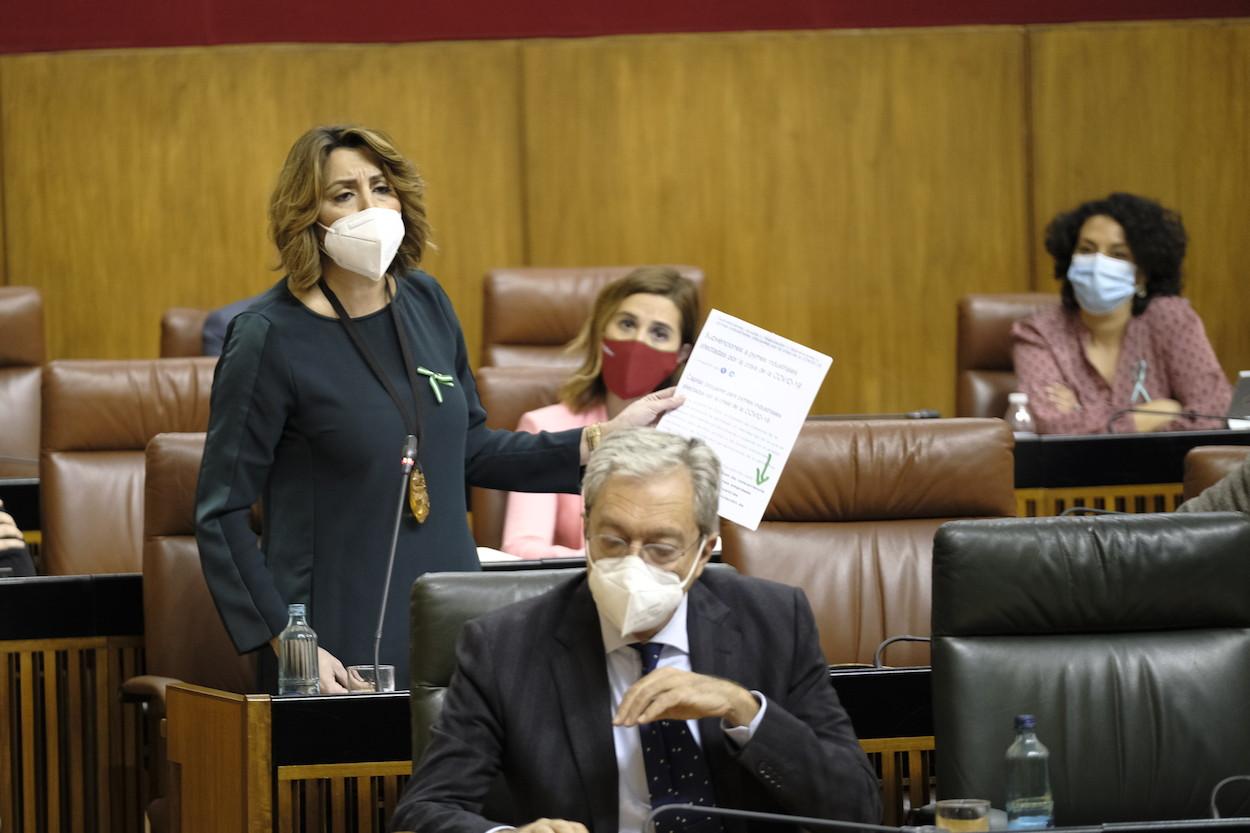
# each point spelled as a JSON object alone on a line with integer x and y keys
{"x": 1101, "y": 283}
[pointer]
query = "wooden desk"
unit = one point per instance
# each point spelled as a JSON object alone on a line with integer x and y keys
{"x": 69, "y": 748}
{"x": 257, "y": 763}
{"x": 1122, "y": 472}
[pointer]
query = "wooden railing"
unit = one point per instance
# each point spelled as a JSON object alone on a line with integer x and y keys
{"x": 70, "y": 750}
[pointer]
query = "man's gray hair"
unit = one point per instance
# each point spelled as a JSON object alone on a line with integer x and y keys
{"x": 646, "y": 452}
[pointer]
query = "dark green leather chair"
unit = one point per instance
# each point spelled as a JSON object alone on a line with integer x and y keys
{"x": 1128, "y": 636}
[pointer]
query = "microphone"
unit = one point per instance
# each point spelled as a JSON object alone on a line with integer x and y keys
{"x": 923, "y": 413}
{"x": 1109, "y": 427}
{"x": 776, "y": 818}
{"x": 408, "y": 460}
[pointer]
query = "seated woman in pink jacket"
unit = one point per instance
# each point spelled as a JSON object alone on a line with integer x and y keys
{"x": 640, "y": 331}
{"x": 1123, "y": 337}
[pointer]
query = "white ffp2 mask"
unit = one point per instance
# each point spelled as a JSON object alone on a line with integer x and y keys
{"x": 635, "y": 596}
{"x": 365, "y": 242}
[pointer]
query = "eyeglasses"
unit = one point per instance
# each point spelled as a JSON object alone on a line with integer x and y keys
{"x": 612, "y": 546}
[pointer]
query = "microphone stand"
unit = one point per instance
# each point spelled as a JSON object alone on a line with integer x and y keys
{"x": 751, "y": 815}
{"x": 408, "y": 460}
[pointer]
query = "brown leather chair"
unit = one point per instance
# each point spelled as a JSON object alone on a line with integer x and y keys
{"x": 984, "y": 373}
{"x": 98, "y": 417}
{"x": 506, "y": 394}
{"x": 1207, "y": 465}
{"x": 184, "y": 639}
{"x": 853, "y": 517}
{"x": 21, "y": 360}
{"x": 182, "y": 332}
{"x": 529, "y": 314}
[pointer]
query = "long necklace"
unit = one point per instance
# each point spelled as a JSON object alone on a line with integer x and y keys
{"x": 418, "y": 493}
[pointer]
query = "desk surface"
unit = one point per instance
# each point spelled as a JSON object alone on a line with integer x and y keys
{"x": 59, "y": 607}
{"x": 887, "y": 702}
{"x": 1058, "y": 461}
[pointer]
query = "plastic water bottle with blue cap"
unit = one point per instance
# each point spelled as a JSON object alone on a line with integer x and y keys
{"x": 1030, "y": 805}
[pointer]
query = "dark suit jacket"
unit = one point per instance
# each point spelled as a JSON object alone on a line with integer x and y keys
{"x": 530, "y": 702}
{"x": 215, "y": 324}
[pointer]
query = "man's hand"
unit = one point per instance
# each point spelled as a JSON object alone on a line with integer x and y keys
{"x": 670, "y": 694}
{"x": 10, "y": 536}
{"x": 553, "y": 826}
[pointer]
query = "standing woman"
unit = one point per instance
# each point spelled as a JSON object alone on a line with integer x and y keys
{"x": 1123, "y": 337}
{"x": 640, "y": 331}
{"x": 319, "y": 383}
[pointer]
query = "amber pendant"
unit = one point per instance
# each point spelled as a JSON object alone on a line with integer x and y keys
{"x": 418, "y": 495}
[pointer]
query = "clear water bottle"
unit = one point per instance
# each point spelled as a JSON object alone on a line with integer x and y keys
{"x": 1018, "y": 417}
{"x": 297, "y": 655}
{"x": 1030, "y": 805}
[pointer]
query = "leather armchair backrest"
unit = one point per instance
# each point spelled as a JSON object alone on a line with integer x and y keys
{"x": 184, "y": 637}
{"x": 1207, "y": 465}
{"x": 21, "y": 358}
{"x": 530, "y": 313}
{"x": 984, "y": 373}
{"x": 441, "y": 604}
{"x": 182, "y": 332}
{"x": 1127, "y": 636}
{"x": 506, "y": 394}
{"x": 98, "y": 417}
{"x": 852, "y": 522}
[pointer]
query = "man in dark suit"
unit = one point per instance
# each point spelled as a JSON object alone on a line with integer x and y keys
{"x": 217, "y": 321}
{"x": 550, "y": 694}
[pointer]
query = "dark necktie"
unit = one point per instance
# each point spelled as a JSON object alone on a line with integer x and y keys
{"x": 676, "y": 771}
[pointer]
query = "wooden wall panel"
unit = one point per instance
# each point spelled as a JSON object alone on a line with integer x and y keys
{"x": 4, "y": 273}
{"x": 841, "y": 188}
{"x": 135, "y": 181}
{"x": 1162, "y": 110}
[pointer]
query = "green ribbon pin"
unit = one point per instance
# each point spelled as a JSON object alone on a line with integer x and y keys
{"x": 437, "y": 379}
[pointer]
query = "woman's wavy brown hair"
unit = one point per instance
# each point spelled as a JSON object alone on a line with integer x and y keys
{"x": 585, "y": 387}
{"x": 296, "y": 199}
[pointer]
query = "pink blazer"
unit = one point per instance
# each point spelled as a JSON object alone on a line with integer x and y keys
{"x": 545, "y": 525}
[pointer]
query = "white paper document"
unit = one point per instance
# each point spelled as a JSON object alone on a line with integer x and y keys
{"x": 747, "y": 393}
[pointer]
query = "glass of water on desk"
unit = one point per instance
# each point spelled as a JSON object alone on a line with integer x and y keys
{"x": 362, "y": 680}
{"x": 963, "y": 815}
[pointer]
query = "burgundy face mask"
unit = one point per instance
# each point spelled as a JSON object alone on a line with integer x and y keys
{"x": 632, "y": 368}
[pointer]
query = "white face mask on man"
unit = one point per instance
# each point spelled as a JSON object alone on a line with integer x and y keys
{"x": 636, "y": 596}
{"x": 365, "y": 242}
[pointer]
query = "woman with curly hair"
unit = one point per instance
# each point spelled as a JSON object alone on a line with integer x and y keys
{"x": 320, "y": 383}
{"x": 1123, "y": 337}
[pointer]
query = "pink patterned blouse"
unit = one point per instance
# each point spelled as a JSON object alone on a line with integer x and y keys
{"x": 1165, "y": 354}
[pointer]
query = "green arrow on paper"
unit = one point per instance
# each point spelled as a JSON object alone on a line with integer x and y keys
{"x": 761, "y": 476}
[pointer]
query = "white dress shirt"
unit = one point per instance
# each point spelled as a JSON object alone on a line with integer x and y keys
{"x": 624, "y": 669}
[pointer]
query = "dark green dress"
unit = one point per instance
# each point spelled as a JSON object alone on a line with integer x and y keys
{"x": 299, "y": 420}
